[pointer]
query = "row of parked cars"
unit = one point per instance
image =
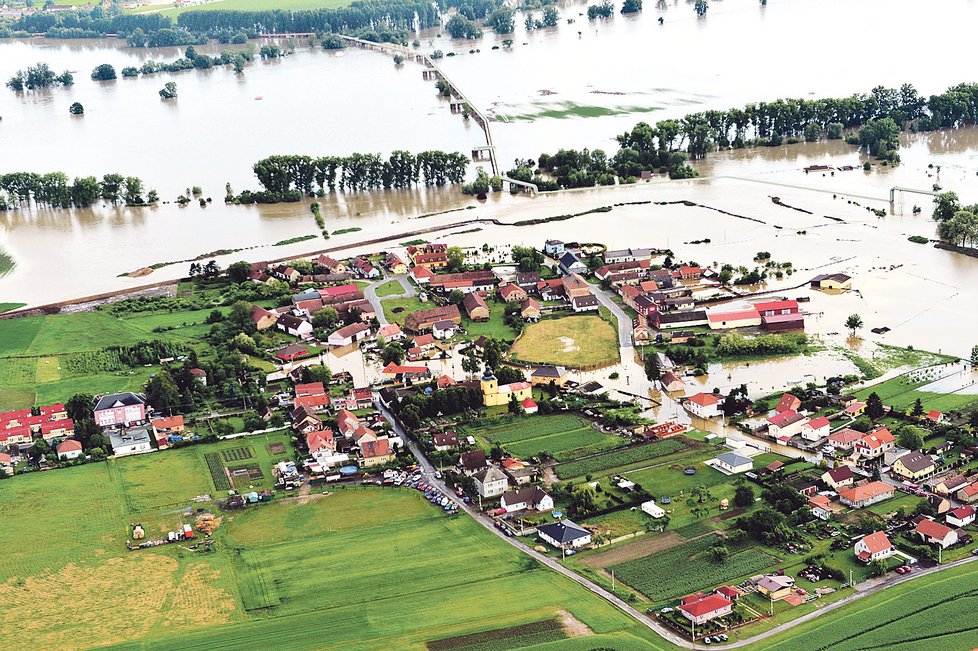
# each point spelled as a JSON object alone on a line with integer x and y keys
{"x": 722, "y": 637}
{"x": 431, "y": 493}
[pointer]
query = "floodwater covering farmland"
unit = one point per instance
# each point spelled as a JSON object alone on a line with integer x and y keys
{"x": 553, "y": 88}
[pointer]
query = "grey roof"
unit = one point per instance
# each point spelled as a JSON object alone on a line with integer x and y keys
{"x": 492, "y": 473}
{"x": 119, "y": 400}
{"x": 589, "y": 300}
{"x": 568, "y": 259}
{"x": 549, "y": 371}
{"x": 683, "y": 317}
{"x": 564, "y": 531}
{"x": 733, "y": 459}
{"x": 129, "y": 436}
{"x": 531, "y": 495}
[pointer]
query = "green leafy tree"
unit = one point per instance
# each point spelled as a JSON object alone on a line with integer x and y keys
{"x": 162, "y": 392}
{"x": 854, "y": 322}
{"x": 76, "y": 108}
{"x": 911, "y": 437}
{"x": 877, "y": 567}
{"x": 325, "y": 318}
{"x": 239, "y": 271}
{"x": 701, "y": 7}
{"x": 169, "y": 90}
{"x": 743, "y": 495}
{"x": 653, "y": 371}
{"x": 393, "y": 353}
{"x": 945, "y": 205}
{"x": 104, "y": 72}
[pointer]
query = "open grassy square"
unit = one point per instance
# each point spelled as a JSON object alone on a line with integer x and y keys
{"x": 576, "y": 341}
{"x": 390, "y": 288}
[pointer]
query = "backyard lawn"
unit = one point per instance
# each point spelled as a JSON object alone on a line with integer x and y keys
{"x": 575, "y": 341}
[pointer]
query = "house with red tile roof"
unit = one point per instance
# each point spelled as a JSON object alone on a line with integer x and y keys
{"x": 391, "y": 332}
{"x": 319, "y": 441}
{"x": 310, "y": 389}
{"x": 67, "y": 450}
{"x": 700, "y": 609}
{"x": 865, "y": 494}
{"x": 704, "y": 405}
{"x": 873, "y": 547}
{"x": 376, "y": 452}
{"x": 529, "y": 406}
{"x": 875, "y": 443}
{"x": 422, "y": 275}
{"x": 815, "y": 429}
{"x": 845, "y": 439}
{"x": 788, "y": 402}
{"x": 934, "y": 416}
{"x": 935, "y": 533}
{"x": 961, "y": 516}
{"x": 786, "y": 424}
{"x": 820, "y": 507}
{"x": 512, "y": 293}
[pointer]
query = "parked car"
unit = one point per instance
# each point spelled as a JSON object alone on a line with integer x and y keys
{"x": 666, "y": 610}
{"x": 722, "y": 637}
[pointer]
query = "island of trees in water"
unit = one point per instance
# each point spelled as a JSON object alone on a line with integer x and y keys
{"x": 872, "y": 121}
{"x": 290, "y": 177}
{"x": 56, "y": 190}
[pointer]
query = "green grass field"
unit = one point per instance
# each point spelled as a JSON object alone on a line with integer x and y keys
{"x": 901, "y": 392}
{"x": 576, "y": 341}
{"x": 6, "y": 307}
{"x": 397, "y": 309}
{"x": 390, "y": 288}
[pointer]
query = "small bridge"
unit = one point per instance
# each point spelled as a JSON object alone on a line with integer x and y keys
{"x": 898, "y": 188}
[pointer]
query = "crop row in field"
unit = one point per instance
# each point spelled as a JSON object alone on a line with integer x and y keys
{"x": 502, "y": 639}
{"x": 512, "y": 430}
{"x": 688, "y": 568}
{"x": 566, "y": 445}
{"x": 216, "y": 468}
{"x": 620, "y": 458}
{"x": 238, "y": 454}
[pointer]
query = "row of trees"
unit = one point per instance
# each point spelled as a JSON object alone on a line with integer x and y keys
{"x": 55, "y": 190}
{"x": 285, "y": 175}
{"x": 194, "y": 60}
{"x": 38, "y": 76}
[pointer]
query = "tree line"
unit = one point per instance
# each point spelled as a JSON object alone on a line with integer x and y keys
{"x": 874, "y": 121}
{"x": 55, "y": 190}
{"x": 958, "y": 225}
{"x": 288, "y": 177}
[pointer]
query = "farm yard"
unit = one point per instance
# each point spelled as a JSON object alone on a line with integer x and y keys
{"x": 562, "y": 436}
{"x": 574, "y": 341}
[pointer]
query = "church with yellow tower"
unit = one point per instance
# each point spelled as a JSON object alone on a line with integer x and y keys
{"x": 494, "y": 395}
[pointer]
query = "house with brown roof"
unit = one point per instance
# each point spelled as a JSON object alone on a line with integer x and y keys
{"x": 873, "y": 547}
{"x": 544, "y": 375}
{"x": 422, "y": 320}
{"x": 472, "y": 462}
{"x": 475, "y": 307}
{"x": 948, "y": 485}
{"x": 914, "y": 466}
{"x": 671, "y": 382}
{"x": 512, "y": 293}
{"x": 445, "y": 441}
{"x": 67, "y": 450}
{"x": 786, "y": 424}
{"x": 839, "y": 477}
{"x": 844, "y": 439}
{"x": 530, "y": 309}
{"x": 530, "y": 498}
{"x": 262, "y": 318}
{"x": 935, "y": 533}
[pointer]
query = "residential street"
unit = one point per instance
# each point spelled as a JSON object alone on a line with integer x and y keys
{"x": 624, "y": 321}
{"x": 864, "y": 589}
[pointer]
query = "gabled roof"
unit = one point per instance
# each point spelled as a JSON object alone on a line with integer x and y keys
{"x": 564, "y": 531}
{"x": 845, "y": 436}
{"x": 319, "y": 439}
{"x": 877, "y": 542}
{"x": 787, "y": 402}
{"x": 377, "y": 448}
{"x": 310, "y": 389}
{"x": 531, "y": 495}
{"x": 119, "y": 400}
{"x": 842, "y": 473}
{"x": 877, "y": 438}
{"x": 549, "y": 371}
{"x": 817, "y": 423}
{"x": 168, "y": 422}
{"x": 786, "y": 418}
{"x": 705, "y": 605}
{"x": 491, "y": 473}
{"x": 932, "y": 530}
{"x": 705, "y": 399}
{"x": 69, "y": 445}
{"x": 962, "y": 512}
{"x": 858, "y": 494}
{"x": 473, "y": 460}
{"x": 916, "y": 461}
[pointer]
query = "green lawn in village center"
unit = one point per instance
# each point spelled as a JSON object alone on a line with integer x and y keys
{"x": 390, "y": 288}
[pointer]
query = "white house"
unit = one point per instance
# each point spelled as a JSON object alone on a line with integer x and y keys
{"x": 700, "y": 608}
{"x": 6, "y": 463}
{"x": 936, "y": 533}
{"x": 653, "y": 509}
{"x": 553, "y": 247}
{"x": 349, "y": 335}
{"x": 786, "y": 424}
{"x": 733, "y": 463}
{"x": 490, "y": 482}
{"x": 528, "y": 498}
{"x": 839, "y": 477}
{"x": 873, "y": 547}
{"x": 293, "y": 325}
{"x": 69, "y": 449}
{"x": 131, "y": 441}
{"x": 564, "y": 535}
{"x": 571, "y": 264}
{"x": 961, "y": 516}
{"x": 443, "y": 329}
{"x": 815, "y": 429}
{"x": 704, "y": 405}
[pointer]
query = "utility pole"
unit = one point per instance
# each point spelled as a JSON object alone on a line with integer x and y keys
{"x": 612, "y": 580}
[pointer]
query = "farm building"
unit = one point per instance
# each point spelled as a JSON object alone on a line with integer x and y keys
{"x": 349, "y": 335}
{"x": 475, "y": 306}
{"x": 544, "y": 375}
{"x": 832, "y": 281}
